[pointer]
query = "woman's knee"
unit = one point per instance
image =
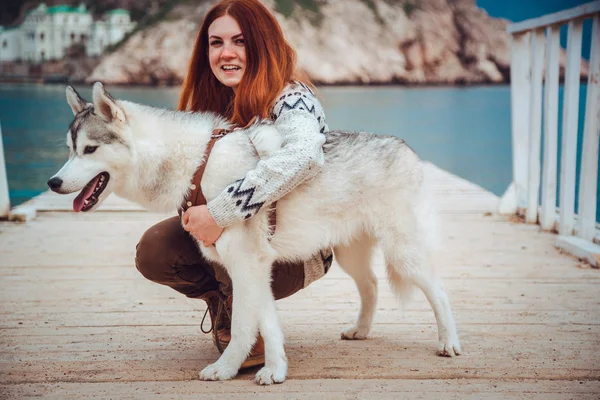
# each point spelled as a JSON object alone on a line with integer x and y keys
{"x": 149, "y": 259}
{"x": 155, "y": 253}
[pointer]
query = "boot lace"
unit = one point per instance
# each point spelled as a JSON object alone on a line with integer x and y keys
{"x": 217, "y": 319}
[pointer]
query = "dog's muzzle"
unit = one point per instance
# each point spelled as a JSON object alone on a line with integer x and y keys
{"x": 55, "y": 183}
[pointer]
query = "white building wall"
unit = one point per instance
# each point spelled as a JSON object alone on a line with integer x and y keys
{"x": 78, "y": 29}
{"x": 58, "y": 36}
{"x": 28, "y": 28}
{"x": 46, "y": 36}
{"x": 43, "y": 39}
{"x": 99, "y": 39}
{"x": 35, "y": 35}
{"x": 119, "y": 25}
{"x": 10, "y": 45}
{"x": 28, "y": 43}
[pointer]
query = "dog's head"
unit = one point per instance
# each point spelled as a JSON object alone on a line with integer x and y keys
{"x": 101, "y": 149}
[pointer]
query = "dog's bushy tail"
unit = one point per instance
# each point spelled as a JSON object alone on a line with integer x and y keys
{"x": 402, "y": 288}
{"x": 428, "y": 216}
{"x": 413, "y": 254}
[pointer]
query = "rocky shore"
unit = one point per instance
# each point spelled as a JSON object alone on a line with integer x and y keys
{"x": 350, "y": 41}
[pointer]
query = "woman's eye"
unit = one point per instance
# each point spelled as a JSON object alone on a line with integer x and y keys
{"x": 89, "y": 149}
{"x": 215, "y": 43}
{"x": 240, "y": 41}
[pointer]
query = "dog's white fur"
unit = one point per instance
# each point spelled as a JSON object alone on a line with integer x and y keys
{"x": 359, "y": 201}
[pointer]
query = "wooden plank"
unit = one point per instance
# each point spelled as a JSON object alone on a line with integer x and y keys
{"x": 589, "y": 160}
{"x": 569, "y": 129}
{"x": 395, "y": 315}
{"x": 550, "y": 295}
{"x": 319, "y": 389}
{"x": 520, "y": 90}
{"x": 535, "y": 125}
{"x": 508, "y": 354}
{"x": 406, "y": 345}
{"x": 561, "y": 17}
{"x": 371, "y": 359}
{"x": 141, "y": 311}
{"x": 549, "y": 184}
{"x": 72, "y": 339}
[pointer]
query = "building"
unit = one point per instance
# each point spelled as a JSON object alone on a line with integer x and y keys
{"x": 47, "y": 32}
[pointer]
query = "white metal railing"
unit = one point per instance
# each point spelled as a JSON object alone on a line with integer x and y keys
{"x": 4, "y": 198}
{"x": 535, "y": 54}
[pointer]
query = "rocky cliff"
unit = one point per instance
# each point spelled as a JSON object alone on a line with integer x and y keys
{"x": 339, "y": 41}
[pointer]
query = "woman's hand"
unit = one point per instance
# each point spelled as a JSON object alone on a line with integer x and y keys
{"x": 200, "y": 224}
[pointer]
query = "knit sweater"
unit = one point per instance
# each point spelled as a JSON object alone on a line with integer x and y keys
{"x": 300, "y": 120}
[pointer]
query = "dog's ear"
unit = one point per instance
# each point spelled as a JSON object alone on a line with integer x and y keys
{"x": 76, "y": 102}
{"x": 105, "y": 105}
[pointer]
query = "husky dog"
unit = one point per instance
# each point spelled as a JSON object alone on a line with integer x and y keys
{"x": 369, "y": 193}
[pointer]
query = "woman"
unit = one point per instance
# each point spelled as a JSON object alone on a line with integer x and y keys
{"x": 243, "y": 68}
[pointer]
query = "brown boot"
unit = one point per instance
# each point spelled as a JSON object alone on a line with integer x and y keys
{"x": 219, "y": 307}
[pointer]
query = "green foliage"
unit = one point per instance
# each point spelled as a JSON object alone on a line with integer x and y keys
{"x": 287, "y": 8}
{"x": 410, "y": 6}
{"x": 374, "y": 10}
{"x": 398, "y": 2}
{"x": 310, "y": 5}
{"x": 146, "y": 22}
{"x": 371, "y": 5}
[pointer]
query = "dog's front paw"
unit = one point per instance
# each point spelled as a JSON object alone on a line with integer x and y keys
{"x": 217, "y": 372}
{"x": 449, "y": 348}
{"x": 269, "y": 375}
{"x": 354, "y": 333}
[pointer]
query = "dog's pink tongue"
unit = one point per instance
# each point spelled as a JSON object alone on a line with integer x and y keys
{"x": 86, "y": 192}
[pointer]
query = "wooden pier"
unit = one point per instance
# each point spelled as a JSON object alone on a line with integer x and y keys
{"x": 79, "y": 321}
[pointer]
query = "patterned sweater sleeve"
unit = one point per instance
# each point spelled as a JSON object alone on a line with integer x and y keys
{"x": 300, "y": 120}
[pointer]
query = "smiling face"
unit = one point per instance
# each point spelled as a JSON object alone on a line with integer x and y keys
{"x": 226, "y": 51}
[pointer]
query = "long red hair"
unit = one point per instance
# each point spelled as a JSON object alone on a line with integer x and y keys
{"x": 270, "y": 65}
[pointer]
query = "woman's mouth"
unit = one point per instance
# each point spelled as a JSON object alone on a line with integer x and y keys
{"x": 230, "y": 68}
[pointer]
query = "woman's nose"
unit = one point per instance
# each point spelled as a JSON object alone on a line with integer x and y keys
{"x": 228, "y": 52}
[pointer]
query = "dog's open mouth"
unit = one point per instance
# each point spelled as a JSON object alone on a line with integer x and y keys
{"x": 88, "y": 196}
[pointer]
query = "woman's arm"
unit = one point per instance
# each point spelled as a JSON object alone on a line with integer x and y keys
{"x": 299, "y": 159}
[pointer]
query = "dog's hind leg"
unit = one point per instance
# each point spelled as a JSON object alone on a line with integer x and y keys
{"x": 407, "y": 261}
{"x": 449, "y": 344}
{"x": 355, "y": 259}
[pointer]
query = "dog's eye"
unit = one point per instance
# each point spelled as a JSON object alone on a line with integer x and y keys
{"x": 89, "y": 149}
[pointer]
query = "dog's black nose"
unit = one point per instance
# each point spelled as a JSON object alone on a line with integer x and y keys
{"x": 55, "y": 183}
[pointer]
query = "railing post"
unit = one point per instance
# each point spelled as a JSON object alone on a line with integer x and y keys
{"x": 535, "y": 124}
{"x": 520, "y": 83}
{"x": 526, "y": 78}
{"x": 4, "y": 198}
{"x": 548, "y": 214}
{"x": 588, "y": 179}
{"x": 569, "y": 129}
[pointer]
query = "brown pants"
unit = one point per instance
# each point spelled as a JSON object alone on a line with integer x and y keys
{"x": 168, "y": 255}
